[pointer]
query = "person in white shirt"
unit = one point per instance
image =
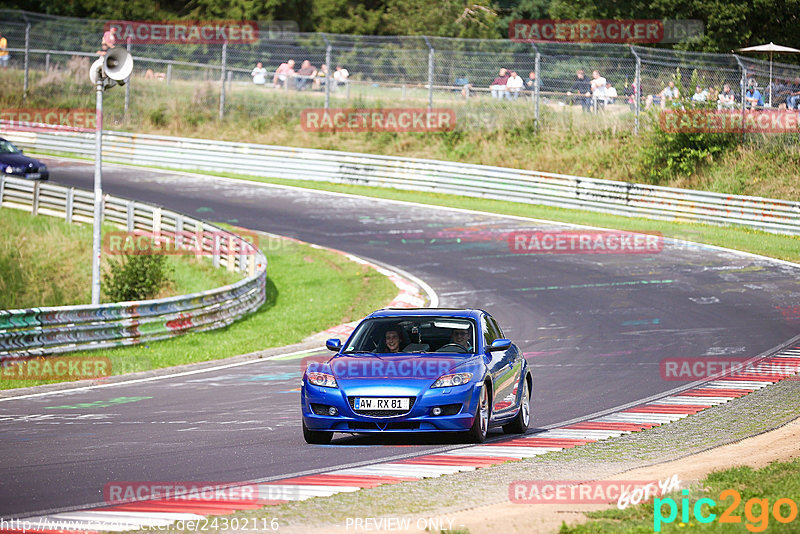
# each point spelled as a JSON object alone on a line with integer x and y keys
{"x": 259, "y": 74}
{"x": 513, "y": 86}
{"x": 699, "y": 95}
{"x": 610, "y": 93}
{"x": 340, "y": 76}
{"x": 598, "y": 85}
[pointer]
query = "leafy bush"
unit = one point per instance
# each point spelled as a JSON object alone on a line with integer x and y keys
{"x": 667, "y": 154}
{"x": 137, "y": 277}
{"x": 158, "y": 116}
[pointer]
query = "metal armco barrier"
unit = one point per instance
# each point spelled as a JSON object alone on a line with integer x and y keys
{"x": 55, "y": 330}
{"x": 618, "y": 198}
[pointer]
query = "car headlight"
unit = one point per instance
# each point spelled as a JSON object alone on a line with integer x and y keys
{"x": 13, "y": 170}
{"x": 322, "y": 379}
{"x": 457, "y": 379}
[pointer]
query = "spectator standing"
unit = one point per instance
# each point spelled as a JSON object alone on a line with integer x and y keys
{"x": 598, "y": 85}
{"x": 259, "y": 74}
{"x": 109, "y": 40}
{"x": 711, "y": 94}
{"x": 283, "y": 73}
{"x": 669, "y": 93}
{"x": 753, "y": 98}
{"x": 340, "y": 76}
{"x": 3, "y": 51}
{"x": 727, "y": 98}
{"x": 306, "y": 74}
{"x": 583, "y": 90}
{"x": 793, "y": 100}
{"x": 514, "y": 85}
{"x": 498, "y": 86}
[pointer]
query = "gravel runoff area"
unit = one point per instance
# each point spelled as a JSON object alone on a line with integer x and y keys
{"x": 478, "y": 501}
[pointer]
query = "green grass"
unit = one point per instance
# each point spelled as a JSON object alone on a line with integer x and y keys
{"x": 779, "y": 480}
{"x": 308, "y": 290}
{"x": 45, "y": 261}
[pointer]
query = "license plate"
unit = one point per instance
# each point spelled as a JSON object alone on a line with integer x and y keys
{"x": 34, "y": 175}
{"x": 381, "y": 403}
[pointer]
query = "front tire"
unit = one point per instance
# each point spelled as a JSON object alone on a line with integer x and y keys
{"x": 520, "y": 423}
{"x": 315, "y": 437}
{"x": 480, "y": 425}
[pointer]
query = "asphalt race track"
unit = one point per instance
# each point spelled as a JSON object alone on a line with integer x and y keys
{"x": 594, "y": 327}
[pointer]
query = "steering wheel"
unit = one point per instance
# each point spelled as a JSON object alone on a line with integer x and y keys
{"x": 460, "y": 348}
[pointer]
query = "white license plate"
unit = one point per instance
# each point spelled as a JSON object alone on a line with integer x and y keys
{"x": 382, "y": 403}
{"x": 33, "y": 175}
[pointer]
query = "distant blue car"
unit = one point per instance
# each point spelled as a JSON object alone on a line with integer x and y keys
{"x": 14, "y": 163}
{"x": 419, "y": 370}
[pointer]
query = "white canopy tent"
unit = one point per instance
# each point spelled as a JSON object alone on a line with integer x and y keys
{"x": 771, "y": 48}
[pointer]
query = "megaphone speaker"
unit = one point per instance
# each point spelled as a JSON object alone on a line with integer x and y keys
{"x": 118, "y": 64}
{"x": 95, "y": 71}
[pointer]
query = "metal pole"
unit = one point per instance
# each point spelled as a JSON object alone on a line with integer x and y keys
{"x": 128, "y": 87}
{"x": 47, "y": 62}
{"x": 327, "y": 74}
{"x": 430, "y": 74}
{"x": 169, "y": 73}
{"x": 27, "y": 60}
{"x": 637, "y": 93}
{"x": 98, "y": 192}
{"x": 535, "y": 91}
{"x": 222, "y": 81}
{"x": 743, "y": 84}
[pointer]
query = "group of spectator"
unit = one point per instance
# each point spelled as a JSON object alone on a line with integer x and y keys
{"x": 286, "y": 75}
{"x": 509, "y": 84}
{"x": 592, "y": 94}
{"x": 3, "y": 51}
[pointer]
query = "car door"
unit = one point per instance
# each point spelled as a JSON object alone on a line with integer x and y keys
{"x": 501, "y": 367}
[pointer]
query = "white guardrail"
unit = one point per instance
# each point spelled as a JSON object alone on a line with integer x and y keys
{"x": 618, "y": 198}
{"x": 43, "y": 331}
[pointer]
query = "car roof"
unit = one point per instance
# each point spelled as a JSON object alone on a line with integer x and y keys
{"x": 438, "y": 312}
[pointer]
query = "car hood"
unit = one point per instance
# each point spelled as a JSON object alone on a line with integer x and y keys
{"x": 426, "y": 366}
{"x": 18, "y": 160}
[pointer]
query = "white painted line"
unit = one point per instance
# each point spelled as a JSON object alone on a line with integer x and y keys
{"x": 576, "y": 433}
{"x": 160, "y": 377}
{"x": 290, "y": 492}
{"x": 704, "y": 401}
{"x": 642, "y": 417}
{"x": 519, "y": 452}
{"x": 737, "y": 384}
{"x": 173, "y": 516}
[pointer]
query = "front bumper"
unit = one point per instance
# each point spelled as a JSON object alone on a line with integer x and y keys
{"x": 417, "y": 419}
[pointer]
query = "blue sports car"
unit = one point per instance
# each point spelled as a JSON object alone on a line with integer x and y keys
{"x": 419, "y": 370}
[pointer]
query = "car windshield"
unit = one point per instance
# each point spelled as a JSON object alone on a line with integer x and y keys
{"x": 8, "y": 148}
{"x": 413, "y": 334}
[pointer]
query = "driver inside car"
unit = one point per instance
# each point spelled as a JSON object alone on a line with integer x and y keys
{"x": 461, "y": 337}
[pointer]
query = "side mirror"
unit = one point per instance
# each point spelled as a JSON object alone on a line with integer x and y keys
{"x": 499, "y": 344}
{"x": 333, "y": 345}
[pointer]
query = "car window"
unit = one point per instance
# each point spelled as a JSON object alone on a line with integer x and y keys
{"x": 7, "y": 148}
{"x": 493, "y": 325}
{"x": 488, "y": 333}
{"x": 418, "y": 334}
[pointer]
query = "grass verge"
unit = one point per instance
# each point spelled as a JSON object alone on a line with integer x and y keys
{"x": 45, "y": 261}
{"x": 750, "y": 503}
{"x": 308, "y": 290}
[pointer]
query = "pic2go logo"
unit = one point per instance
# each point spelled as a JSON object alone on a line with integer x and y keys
{"x": 756, "y": 511}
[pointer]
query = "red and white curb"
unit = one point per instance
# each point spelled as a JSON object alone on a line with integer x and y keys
{"x": 144, "y": 514}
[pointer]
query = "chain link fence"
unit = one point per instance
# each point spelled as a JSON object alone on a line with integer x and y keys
{"x": 51, "y": 55}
